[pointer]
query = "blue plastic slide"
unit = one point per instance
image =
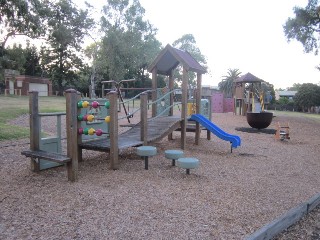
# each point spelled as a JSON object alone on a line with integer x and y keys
{"x": 233, "y": 139}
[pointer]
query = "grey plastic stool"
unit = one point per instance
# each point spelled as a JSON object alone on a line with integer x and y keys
{"x": 145, "y": 152}
{"x": 174, "y": 155}
{"x": 188, "y": 163}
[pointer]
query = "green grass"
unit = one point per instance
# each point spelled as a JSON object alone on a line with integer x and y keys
{"x": 315, "y": 117}
{"x": 11, "y": 107}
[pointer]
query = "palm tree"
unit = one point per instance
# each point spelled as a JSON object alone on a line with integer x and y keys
{"x": 226, "y": 85}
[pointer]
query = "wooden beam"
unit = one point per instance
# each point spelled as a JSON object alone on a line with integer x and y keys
{"x": 113, "y": 131}
{"x": 34, "y": 128}
{"x": 171, "y": 88}
{"x": 72, "y": 133}
{"x": 198, "y": 107}
{"x": 278, "y": 225}
{"x": 184, "y": 103}
{"x": 143, "y": 118}
{"x": 154, "y": 91}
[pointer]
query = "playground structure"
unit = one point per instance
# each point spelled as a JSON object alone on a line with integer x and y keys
{"x": 116, "y": 86}
{"x": 93, "y": 124}
{"x": 250, "y": 101}
{"x": 248, "y": 96}
{"x": 282, "y": 131}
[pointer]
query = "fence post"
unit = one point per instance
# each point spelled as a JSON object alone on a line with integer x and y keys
{"x": 73, "y": 150}
{"x": 34, "y": 128}
{"x": 143, "y": 118}
{"x": 114, "y": 149}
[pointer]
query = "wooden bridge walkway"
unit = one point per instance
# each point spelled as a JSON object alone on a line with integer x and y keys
{"x": 157, "y": 128}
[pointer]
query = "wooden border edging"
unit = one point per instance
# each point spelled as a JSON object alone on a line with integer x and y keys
{"x": 275, "y": 227}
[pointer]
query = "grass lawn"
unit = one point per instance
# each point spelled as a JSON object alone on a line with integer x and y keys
{"x": 315, "y": 117}
{"x": 13, "y": 106}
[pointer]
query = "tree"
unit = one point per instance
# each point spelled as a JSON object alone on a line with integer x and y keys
{"x": 307, "y": 96}
{"x": 129, "y": 44}
{"x": 226, "y": 85}
{"x": 15, "y": 58}
{"x": 295, "y": 87}
{"x": 21, "y": 17}
{"x": 304, "y": 27}
{"x": 188, "y": 43}
{"x": 32, "y": 66}
{"x": 66, "y": 28}
{"x": 18, "y": 17}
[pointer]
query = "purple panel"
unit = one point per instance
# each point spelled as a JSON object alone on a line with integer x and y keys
{"x": 228, "y": 105}
{"x": 217, "y": 103}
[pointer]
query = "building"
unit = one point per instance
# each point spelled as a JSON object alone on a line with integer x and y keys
{"x": 208, "y": 91}
{"x": 285, "y": 94}
{"x": 22, "y": 84}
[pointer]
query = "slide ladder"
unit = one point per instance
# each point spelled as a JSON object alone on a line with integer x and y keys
{"x": 233, "y": 139}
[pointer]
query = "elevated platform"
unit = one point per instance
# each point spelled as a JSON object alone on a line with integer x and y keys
{"x": 158, "y": 128}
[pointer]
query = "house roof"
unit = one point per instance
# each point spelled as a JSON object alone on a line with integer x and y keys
{"x": 287, "y": 93}
{"x": 169, "y": 58}
{"x": 248, "y": 78}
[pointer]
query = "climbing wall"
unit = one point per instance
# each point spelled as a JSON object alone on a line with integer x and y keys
{"x": 217, "y": 103}
{"x": 228, "y": 105}
{"x": 221, "y": 104}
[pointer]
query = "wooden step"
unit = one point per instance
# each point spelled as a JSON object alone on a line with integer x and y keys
{"x": 54, "y": 157}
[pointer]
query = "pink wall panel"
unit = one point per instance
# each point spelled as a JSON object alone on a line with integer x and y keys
{"x": 220, "y": 104}
{"x": 228, "y": 105}
{"x": 217, "y": 103}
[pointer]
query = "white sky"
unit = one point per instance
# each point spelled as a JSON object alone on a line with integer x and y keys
{"x": 243, "y": 34}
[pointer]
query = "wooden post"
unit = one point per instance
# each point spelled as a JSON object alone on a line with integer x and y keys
{"x": 184, "y": 102}
{"x": 154, "y": 91}
{"x": 34, "y": 128}
{"x": 143, "y": 118}
{"x": 114, "y": 149}
{"x": 171, "y": 88}
{"x": 102, "y": 91}
{"x": 198, "y": 106}
{"x": 73, "y": 150}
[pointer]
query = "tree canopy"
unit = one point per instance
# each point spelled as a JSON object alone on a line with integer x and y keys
{"x": 21, "y": 17}
{"x": 129, "y": 43}
{"x": 66, "y": 28}
{"x": 188, "y": 43}
{"x": 226, "y": 85}
{"x": 304, "y": 27}
{"x": 124, "y": 47}
{"x": 307, "y": 96}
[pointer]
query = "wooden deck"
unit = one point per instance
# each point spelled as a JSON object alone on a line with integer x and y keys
{"x": 158, "y": 128}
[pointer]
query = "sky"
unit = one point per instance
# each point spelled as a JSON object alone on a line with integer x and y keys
{"x": 246, "y": 35}
{"x": 235, "y": 34}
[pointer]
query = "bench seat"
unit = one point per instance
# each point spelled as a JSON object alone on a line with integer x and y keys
{"x": 54, "y": 157}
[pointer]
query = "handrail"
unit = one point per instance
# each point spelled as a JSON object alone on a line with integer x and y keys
{"x": 51, "y": 114}
{"x": 128, "y": 100}
{"x": 150, "y": 103}
{"x": 126, "y": 116}
{"x": 171, "y": 106}
{"x": 161, "y": 97}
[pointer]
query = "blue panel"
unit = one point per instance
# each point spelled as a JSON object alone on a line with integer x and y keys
{"x": 50, "y": 144}
{"x": 99, "y": 113}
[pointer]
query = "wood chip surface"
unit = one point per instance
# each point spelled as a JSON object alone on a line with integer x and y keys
{"x": 230, "y": 195}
